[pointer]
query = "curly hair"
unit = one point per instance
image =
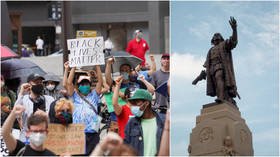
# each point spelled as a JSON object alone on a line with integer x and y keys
{"x": 60, "y": 104}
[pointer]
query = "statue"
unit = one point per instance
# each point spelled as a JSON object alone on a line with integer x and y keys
{"x": 227, "y": 148}
{"x": 219, "y": 72}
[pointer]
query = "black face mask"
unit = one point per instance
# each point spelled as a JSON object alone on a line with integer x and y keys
{"x": 37, "y": 89}
{"x": 64, "y": 118}
{"x": 133, "y": 78}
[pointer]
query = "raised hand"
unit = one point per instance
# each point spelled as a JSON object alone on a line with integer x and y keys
{"x": 152, "y": 58}
{"x": 25, "y": 87}
{"x": 232, "y": 22}
{"x": 142, "y": 77}
{"x": 18, "y": 109}
{"x": 66, "y": 65}
{"x": 110, "y": 60}
{"x": 119, "y": 80}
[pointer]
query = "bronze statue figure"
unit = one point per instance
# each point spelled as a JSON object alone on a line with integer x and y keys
{"x": 219, "y": 72}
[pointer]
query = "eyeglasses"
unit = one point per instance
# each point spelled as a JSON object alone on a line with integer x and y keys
{"x": 38, "y": 131}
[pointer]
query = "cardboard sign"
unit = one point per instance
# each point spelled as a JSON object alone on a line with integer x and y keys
{"x": 86, "y": 51}
{"x": 66, "y": 140}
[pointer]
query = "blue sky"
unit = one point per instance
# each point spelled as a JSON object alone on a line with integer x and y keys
{"x": 256, "y": 63}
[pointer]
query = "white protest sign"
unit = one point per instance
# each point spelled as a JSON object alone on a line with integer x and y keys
{"x": 86, "y": 51}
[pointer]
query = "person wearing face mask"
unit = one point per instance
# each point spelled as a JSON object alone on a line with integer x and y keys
{"x": 61, "y": 111}
{"x": 51, "y": 83}
{"x": 129, "y": 76}
{"x": 86, "y": 102}
{"x": 144, "y": 131}
{"x": 34, "y": 101}
{"x": 138, "y": 46}
{"x": 37, "y": 133}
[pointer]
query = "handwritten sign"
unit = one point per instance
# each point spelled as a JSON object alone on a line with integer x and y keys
{"x": 86, "y": 51}
{"x": 69, "y": 140}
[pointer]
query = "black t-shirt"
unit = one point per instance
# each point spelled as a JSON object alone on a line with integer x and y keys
{"x": 29, "y": 151}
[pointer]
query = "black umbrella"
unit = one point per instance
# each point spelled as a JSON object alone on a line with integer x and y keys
{"x": 18, "y": 68}
{"x": 122, "y": 57}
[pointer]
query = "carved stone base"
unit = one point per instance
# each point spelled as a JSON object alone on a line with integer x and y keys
{"x": 220, "y": 130}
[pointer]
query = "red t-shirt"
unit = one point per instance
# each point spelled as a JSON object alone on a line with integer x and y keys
{"x": 138, "y": 49}
{"x": 123, "y": 118}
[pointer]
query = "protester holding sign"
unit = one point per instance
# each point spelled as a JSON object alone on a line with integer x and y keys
{"x": 37, "y": 133}
{"x": 86, "y": 103}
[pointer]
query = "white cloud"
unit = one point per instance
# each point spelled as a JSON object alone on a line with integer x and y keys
{"x": 270, "y": 135}
{"x": 201, "y": 30}
{"x": 186, "y": 65}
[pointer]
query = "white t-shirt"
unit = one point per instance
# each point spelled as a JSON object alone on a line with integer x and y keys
{"x": 39, "y": 44}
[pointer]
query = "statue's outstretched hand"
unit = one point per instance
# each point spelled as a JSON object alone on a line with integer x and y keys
{"x": 232, "y": 22}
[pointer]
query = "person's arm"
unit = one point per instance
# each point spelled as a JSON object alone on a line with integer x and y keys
{"x": 105, "y": 87}
{"x": 164, "y": 143}
{"x": 9, "y": 139}
{"x": 24, "y": 88}
{"x": 108, "y": 71}
{"x": 110, "y": 142}
{"x": 98, "y": 87}
{"x": 168, "y": 87}
{"x": 65, "y": 76}
{"x": 233, "y": 38}
{"x": 117, "y": 107}
{"x": 70, "y": 85}
{"x": 149, "y": 86}
{"x": 153, "y": 66}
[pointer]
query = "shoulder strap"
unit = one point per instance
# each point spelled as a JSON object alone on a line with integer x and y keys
{"x": 21, "y": 151}
{"x": 84, "y": 98}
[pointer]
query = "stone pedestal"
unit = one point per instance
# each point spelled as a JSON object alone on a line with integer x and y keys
{"x": 220, "y": 130}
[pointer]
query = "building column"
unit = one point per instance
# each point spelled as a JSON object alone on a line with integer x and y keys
{"x": 155, "y": 28}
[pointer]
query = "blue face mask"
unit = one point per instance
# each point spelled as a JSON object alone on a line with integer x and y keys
{"x": 136, "y": 111}
{"x": 84, "y": 89}
{"x": 125, "y": 75}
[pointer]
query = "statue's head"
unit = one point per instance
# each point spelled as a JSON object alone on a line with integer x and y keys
{"x": 216, "y": 39}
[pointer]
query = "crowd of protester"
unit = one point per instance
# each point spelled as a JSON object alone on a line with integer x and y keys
{"x": 139, "y": 112}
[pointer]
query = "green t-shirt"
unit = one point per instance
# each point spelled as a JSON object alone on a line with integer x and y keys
{"x": 149, "y": 127}
{"x": 108, "y": 98}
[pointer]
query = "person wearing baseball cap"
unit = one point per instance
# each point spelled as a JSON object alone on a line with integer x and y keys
{"x": 33, "y": 102}
{"x": 138, "y": 46}
{"x": 86, "y": 102}
{"x": 147, "y": 141}
{"x": 160, "y": 77}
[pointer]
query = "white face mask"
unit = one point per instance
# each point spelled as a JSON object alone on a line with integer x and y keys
{"x": 50, "y": 87}
{"x": 2, "y": 84}
{"x": 37, "y": 138}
